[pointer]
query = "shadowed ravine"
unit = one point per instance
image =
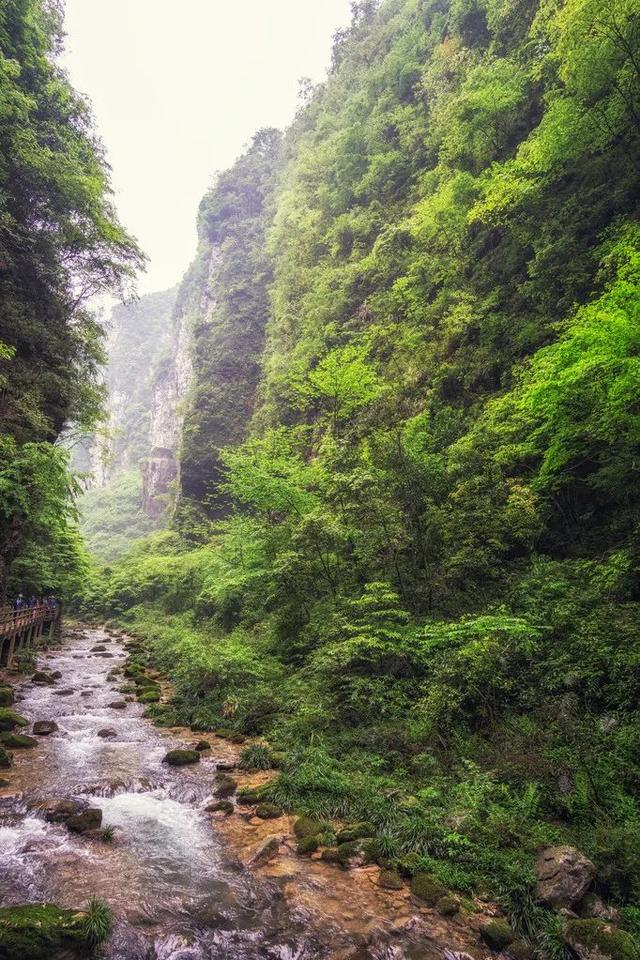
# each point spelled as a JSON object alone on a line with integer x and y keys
{"x": 175, "y": 888}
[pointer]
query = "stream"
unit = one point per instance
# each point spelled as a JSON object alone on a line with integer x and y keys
{"x": 176, "y": 888}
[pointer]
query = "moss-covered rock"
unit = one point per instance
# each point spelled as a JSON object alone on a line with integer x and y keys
{"x": 268, "y": 811}
{"x": 202, "y": 746}
{"x": 180, "y": 758}
{"x": 598, "y": 940}
{"x": 358, "y": 852}
{"x": 447, "y": 906}
{"x": 225, "y": 785}
{"x": 17, "y": 741}
{"x": 497, "y": 934}
{"x": 390, "y": 880}
{"x": 220, "y": 806}
{"x": 330, "y": 855}
{"x": 308, "y": 827}
{"x": 6, "y": 696}
{"x": 247, "y": 796}
{"x": 150, "y": 696}
{"x": 355, "y": 831}
{"x": 6, "y": 759}
{"x": 44, "y": 678}
{"x": 39, "y": 931}
{"x": 427, "y": 888}
{"x": 9, "y": 719}
{"x": 307, "y": 845}
{"x": 520, "y": 950}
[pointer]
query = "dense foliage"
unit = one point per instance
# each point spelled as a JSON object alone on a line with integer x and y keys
{"x": 425, "y": 585}
{"x": 60, "y": 242}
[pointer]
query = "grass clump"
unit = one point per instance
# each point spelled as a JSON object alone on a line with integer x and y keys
{"x": 255, "y": 757}
{"x": 98, "y": 922}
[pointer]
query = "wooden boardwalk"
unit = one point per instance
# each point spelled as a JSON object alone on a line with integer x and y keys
{"x": 19, "y": 629}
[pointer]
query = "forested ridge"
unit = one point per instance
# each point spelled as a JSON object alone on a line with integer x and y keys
{"x": 404, "y": 544}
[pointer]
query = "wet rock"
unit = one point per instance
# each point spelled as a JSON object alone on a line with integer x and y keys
{"x": 180, "y": 758}
{"x": 118, "y": 705}
{"x": 390, "y": 880}
{"x": 4, "y": 783}
{"x": 225, "y": 785}
{"x": 88, "y": 819}
{"x": 268, "y": 811}
{"x": 98, "y": 649}
{"x": 202, "y": 746}
{"x": 597, "y": 940}
{"x": 107, "y": 655}
{"x": 107, "y": 733}
{"x": 63, "y": 693}
{"x": 497, "y": 934}
{"x": 563, "y": 876}
{"x": 266, "y": 851}
{"x": 427, "y": 888}
{"x": 6, "y": 758}
{"x": 17, "y": 741}
{"x": 330, "y": 855}
{"x": 220, "y": 806}
{"x": 9, "y": 719}
{"x": 42, "y": 728}
{"x": 43, "y": 678}
{"x": 59, "y": 810}
{"x": 86, "y": 693}
{"x": 6, "y": 696}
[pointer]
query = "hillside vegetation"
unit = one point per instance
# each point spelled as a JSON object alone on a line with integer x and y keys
{"x": 406, "y": 545}
{"x": 60, "y": 243}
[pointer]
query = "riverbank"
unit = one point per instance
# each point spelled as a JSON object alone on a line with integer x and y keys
{"x": 182, "y": 882}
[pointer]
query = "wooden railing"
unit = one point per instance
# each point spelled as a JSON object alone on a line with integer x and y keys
{"x": 20, "y": 628}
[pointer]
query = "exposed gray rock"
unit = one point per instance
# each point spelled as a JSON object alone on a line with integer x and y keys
{"x": 564, "y": 875}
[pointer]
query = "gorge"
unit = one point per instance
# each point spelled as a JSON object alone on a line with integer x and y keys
{"x": 365, "y": 496}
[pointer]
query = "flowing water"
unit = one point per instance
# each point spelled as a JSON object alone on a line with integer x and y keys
{"x": 176, "y": 889}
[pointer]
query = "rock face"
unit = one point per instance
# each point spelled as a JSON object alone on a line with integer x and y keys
{"x": 563, "y": 876}
{"x": 170, "y": 386}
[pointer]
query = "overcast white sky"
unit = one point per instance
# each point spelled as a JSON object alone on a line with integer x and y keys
{"x": 178, "y": 87}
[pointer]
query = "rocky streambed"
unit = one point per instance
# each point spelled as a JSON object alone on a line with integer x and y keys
{"x": 93, "y": 810}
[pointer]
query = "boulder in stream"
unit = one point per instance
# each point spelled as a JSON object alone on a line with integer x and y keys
{"x": 6, "y": 696}
{"x": 268, "y": 811}
{"x": 180, "y": 758}
{"x": 58, "y": 810}
{"x": 43, "y": 678}
{"x": 118, "y": 705}
{"x": 63, "y": 693}
{"x": 220, "y": 806}
{"x": 42, "y": 728}
{"x": 89, "y": 819}
{"x": 225, "y": 785}
{"x": 107, "y": 733}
